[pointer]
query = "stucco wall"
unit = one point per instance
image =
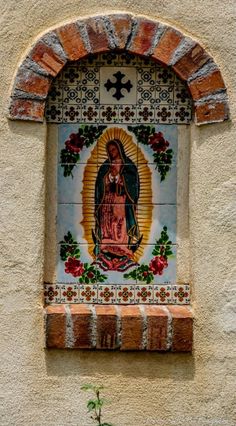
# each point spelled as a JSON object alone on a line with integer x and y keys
{"x": 43, "y": 387}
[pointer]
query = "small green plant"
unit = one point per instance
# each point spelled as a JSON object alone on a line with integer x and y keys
{"x": 95, "y": 405}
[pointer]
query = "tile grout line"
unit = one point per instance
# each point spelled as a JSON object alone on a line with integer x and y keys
{"x": 69, "y": 339}
{"x": 118, "y": 325}
{"x": 93, "y": 333}
{"x": 169, "y": 328}
{"x": 144, "y": 325}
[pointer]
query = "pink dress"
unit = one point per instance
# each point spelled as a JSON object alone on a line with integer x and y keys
{"x": 113, "y": 219}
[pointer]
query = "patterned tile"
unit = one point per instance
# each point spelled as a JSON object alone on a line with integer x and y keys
{"x": 114, "y": 79}
{"x": 162, "y": 294}
{"x": 54, "y": 112}
{"x": 88, "y": 293}
{"x": 125, "y": 294}
{"x": 118, "y": 85}
{"x": 71, "y": 113}
{"x": 146, "y": 114}
{"x": 181, "y": 294}
{"x": 109, "y": 114}
{"x": 90, "y": 113}
{"x": 69, "y": 293}
{"x": 106, "y": 294}
{"x": 164, "y": 113}
{"x": 127, "y": 114}
{"x": 52, "y": 293}
{"x": 143, "y": 294}
{"x": 146, "y": 76}
{"x": 146, "y": 95}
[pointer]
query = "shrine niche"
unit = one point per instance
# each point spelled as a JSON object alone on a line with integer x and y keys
{"x": 118, "y": 118}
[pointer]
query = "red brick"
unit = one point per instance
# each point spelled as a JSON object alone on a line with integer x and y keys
{"x": 131, "y": 328}
{"x": 206, "y": 85}
{"x": 194, "y": 59}
{"x": 157, "y": 327}
{"x": 211, "y": 112}
{"x": 47, "y": 58}
{"x": 97, "y": 35}
{"x": 82, "y": 326}
{"x": 182, "y": 328}
{"x": 31, "y": 82}
{"x": 106, "y": 327}
{"x": 167, "y": 45}
{"x": 27, "y": 109}
{"x": 55, "y": 318}
{"x": 122, "y": 25}
{"x": 143, "y": 39}
{"x": 72, "y": 41}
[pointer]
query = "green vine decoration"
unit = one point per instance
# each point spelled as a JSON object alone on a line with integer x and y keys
{"x": 161, "y": 252}
{"x": 162, "y": 155}
{"x": 85, "y": 137}
{"x": 70, "y": 254}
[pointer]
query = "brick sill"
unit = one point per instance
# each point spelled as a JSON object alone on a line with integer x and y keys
{"x": 140, "y": 327}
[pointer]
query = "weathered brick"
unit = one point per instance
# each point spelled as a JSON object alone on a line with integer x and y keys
{"x": 72, "y": 41}
{"x": 182, "y": 328}
{"x": 206, "y": 85}
{"x": 157, "y": 328}
{"x": 47, "y": 58}
{"x": 143, "y": 38}
{"x": 167, "y": 45}
{"x": 131, "y": 328}
{"x": 26, "y": 109}
{"x": 82, "y": 326}
{"x": 106, "y": 327}
{"x": 97, "y": 35}
{"x": 188, "y": 64}
{"x": 211, "y": 112}
{"x": 31, "y": 82}
{"x": 122, "y": 24}
{"x": 55, "y": 322}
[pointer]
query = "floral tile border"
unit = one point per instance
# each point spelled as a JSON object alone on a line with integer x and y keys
{"x": 167, "y": 294}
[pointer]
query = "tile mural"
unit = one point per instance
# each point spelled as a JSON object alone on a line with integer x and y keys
{"x": 116, "y": 179}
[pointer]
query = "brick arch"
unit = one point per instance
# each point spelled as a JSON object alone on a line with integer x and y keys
{"x": 125, "y": 32}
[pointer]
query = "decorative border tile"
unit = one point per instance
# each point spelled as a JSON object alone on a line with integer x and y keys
{"x": 88, "y": 293}
{"x": 69, "y": 293}
{"x": 107, "y": 294}
{"x": 143, "y": 294}
{"x": 162, "y": 294}
{"x": 125, "y": 294}
{"x": 181, "y": 294}
{"x": 52, "y": 293}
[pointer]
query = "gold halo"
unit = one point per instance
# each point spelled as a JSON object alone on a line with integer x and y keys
{"x": 97, "y": 157}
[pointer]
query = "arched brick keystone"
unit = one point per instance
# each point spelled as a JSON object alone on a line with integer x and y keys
{"x": 126, "y": 32}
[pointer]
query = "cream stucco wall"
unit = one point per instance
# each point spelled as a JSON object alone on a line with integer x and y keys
{"x": 40, "y": 387}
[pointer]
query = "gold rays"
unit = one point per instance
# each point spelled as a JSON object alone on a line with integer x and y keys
{"x": 98, "y": 156}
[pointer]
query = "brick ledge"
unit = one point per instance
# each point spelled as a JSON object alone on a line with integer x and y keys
{"x": 140, "y": 327}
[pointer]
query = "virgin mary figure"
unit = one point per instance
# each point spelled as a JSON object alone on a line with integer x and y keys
{"x": 116, "y": 235}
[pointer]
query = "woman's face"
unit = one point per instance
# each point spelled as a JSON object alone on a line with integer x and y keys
{"x": 113, "y": 151}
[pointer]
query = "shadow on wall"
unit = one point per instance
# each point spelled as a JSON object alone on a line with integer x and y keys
{"x": 177, "y": 367}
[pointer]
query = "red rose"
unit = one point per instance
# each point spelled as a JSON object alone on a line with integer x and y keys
{"x": 75, "y": 143}
{"x": 74, "y": 267}
{"x": 90, "y": 274}
{"x": 157, "y": 265}
{"x": 158, "y": 142}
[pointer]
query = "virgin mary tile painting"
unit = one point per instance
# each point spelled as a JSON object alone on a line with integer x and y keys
{"x": 116, "y": 235}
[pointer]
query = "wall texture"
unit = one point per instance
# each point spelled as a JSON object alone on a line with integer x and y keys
{"x": 43, "y": 387}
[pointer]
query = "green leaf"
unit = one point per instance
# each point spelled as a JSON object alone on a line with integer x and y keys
{"x": 106, "y": 424}
{"x": 91, "y": 405}
{"x": 88, "y": 386}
